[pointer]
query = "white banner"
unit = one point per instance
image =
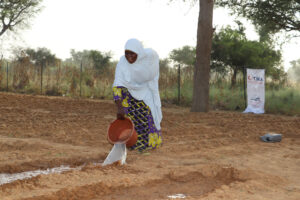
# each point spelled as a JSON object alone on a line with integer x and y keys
{"x": 255, "y": 91}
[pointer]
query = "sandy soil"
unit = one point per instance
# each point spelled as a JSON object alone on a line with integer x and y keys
{"x": 215, "y": 155}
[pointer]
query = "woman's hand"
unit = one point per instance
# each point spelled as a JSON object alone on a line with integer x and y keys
{"x": 120, "y": 111}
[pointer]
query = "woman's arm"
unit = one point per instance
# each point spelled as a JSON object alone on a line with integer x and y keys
{"x": 117, "y": 93}
{"x": 120, "y": 109}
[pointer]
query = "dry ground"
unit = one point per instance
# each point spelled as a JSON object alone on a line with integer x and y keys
{"x": 215, "y": 155}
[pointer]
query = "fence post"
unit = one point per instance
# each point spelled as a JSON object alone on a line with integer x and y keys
{"x": 42, "y": 65}
{"x": 179, "y": 84}
{"x": 244, "y": 76}
{"x": 80, "y": 77}
{"x": 6, "y": 76}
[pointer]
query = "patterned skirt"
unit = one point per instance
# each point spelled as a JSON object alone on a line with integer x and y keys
{"x": 140, "y": 114}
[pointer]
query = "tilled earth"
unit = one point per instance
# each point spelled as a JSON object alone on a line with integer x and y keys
{"x": 215, "y": 155}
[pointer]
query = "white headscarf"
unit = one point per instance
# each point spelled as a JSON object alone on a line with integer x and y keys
{"x": 141, "y": 77}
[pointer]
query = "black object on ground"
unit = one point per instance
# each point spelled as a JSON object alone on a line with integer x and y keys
{"x": 271, "y": 137}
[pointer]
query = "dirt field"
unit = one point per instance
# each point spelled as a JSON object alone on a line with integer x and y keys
{"x": 215, "y": 155}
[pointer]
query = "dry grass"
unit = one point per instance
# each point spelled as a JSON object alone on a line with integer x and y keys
{"x": 68, "y": 80}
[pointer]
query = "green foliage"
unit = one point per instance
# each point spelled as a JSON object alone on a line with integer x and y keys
{"x": 64, "y": 80}
{"x": 91, "y": 59}
{"x": 37, "y": 57}
{"x": 231, "y": 48}
{"x": 185, "y": 55}
{"x": 14, "y": 14}
{"x": 273, "y": 15}
{"x": 164, "y": 66}
{"x": 225, "y": 97}
{"x": 79, "y": 56}
{"x": 100, "y": 60}
{"x": 294, "y": 71}
{"x": 283, "y": 101}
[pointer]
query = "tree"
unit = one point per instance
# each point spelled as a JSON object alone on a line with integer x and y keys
{"x": 164, "y": 66}
{"x": 185, "y": 55}
{"x": 37, "y": 57}
{"x": 100, "y": 60}
{"x": 200, "y": 101}
{"x": 79, "y": 56}
{"x": 294, "y": 71}
{"x": 231, "y": 48}
{"x": 16, "y": 13}
{"x": 165, "y": 72}
{"x": 91, "y": 59}
{"x": 271, "y": 15}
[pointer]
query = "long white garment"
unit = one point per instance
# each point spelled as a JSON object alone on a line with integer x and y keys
{"x": 141, "y": 77}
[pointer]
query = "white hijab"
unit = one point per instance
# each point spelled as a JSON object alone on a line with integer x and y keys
{"x": 141, "y": 77}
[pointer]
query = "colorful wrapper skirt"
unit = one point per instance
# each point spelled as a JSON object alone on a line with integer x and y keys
{"x": 140, "y": 114}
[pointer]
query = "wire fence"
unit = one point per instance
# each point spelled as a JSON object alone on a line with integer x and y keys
{"x": 60, "y": 80}
{"x": 175, "y": 84}
{"x": 79, "y": 80}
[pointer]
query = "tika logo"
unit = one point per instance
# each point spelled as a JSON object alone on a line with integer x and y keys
{"x": 255, "y": 78}
{"x": 257, "y": 99}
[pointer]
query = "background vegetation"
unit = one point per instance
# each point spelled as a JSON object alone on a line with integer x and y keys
{"x": 90, "y": 74}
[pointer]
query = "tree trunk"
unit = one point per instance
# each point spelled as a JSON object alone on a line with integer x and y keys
{"x": 233, "y": 78}
{"x": 200, "y": 102}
